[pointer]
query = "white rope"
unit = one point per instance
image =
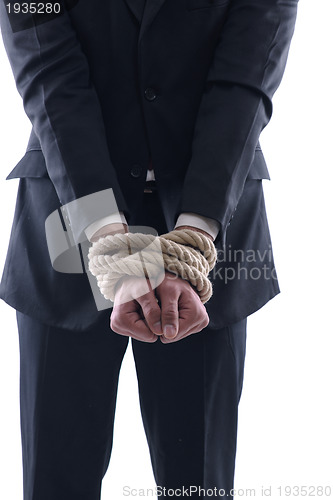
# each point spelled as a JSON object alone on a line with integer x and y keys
{"x": 186, "y": 253}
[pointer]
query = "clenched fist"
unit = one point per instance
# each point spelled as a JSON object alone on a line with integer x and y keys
{"x": 172, "y": 311}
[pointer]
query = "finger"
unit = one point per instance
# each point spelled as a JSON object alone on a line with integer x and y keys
{"x": 126, "y": 320}
{"x": 169, "y": 308}
{"x": 185, "y": 333}
{"x": 193, "y": 316}
{"x": 138, "y": 329}
{"x": 191, "y": 308}
{"x": 189, "y": 319}
{"x": 151, "y": 312}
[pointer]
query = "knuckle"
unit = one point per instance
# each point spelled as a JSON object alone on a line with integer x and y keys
{"x": 205, "y": 320}
{"x": 170, "y": 310}
{"x": 148, "y": 300}
{"x": 150, "y": 309}
{"x": 114, "y": 325}
{"x": 116, "y": 322}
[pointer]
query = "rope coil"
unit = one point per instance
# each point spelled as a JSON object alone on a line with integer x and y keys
{"x": 188, "y": 254}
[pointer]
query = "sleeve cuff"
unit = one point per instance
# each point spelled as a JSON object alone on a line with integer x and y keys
{"x": 116, "y": 218}
{"x": 211, "y": 226}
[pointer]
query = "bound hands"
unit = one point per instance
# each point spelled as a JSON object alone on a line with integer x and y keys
{"x": 171, "y": 312}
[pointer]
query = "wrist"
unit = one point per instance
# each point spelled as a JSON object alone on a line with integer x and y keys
{"x": 109, "y": 229}
{"x": 195, "y": 229}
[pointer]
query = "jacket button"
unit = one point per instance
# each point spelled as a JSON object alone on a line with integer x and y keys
{"x": 136, "y": 171}
{"x": 150, "y": 94}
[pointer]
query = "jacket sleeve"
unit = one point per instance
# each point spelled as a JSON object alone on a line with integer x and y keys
{"x": 246, "y": 70}
{"x": 52, "y": 75}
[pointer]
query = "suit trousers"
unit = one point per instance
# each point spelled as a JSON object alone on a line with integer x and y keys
{"x": 189, "y": 393}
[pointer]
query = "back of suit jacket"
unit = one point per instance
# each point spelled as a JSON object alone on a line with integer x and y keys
{"x": 108, "y": 85}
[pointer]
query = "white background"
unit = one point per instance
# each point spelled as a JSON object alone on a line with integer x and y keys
{"x": 285, "y": 421}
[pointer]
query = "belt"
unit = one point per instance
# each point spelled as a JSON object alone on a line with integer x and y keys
{"x": 150, "y": 187}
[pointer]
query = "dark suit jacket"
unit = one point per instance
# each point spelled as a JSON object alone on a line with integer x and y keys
{"x": 108, "y": 84}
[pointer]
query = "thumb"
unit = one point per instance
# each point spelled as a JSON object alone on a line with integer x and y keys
{"x": 169, "y": 315}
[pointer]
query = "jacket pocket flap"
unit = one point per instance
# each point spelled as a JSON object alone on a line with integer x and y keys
{"x": 31, "y": 165}
{"x": 203, "y": 4}
{"x": 258, "y": 168}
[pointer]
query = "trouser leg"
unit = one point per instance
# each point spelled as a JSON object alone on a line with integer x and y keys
{"x": 189, "y": 395}
{"x": 68, "y": 386}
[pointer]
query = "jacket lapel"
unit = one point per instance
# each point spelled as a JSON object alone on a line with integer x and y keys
{"x": 137, "y": 8}
{"x": 144, "y": 11}
{"x": 151, "y": 9}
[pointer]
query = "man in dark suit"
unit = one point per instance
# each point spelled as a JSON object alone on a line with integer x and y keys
{"x": 143, "y": 113}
